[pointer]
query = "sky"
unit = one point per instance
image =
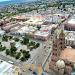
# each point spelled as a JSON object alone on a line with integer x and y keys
{"x": 4, "y": 0}
{"x": 13, "y": 0}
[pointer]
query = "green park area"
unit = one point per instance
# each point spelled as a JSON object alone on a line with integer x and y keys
{"x": 18, "y": 48}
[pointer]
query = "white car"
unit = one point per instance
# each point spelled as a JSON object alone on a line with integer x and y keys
{"x": 10, "y": 62}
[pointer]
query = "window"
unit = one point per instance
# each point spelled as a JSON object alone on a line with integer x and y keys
{"x": 61, "y": 39}
{"x": 61, "y": 43}
{"x": 61, "y": 46}
{"x": 55, "y": 54}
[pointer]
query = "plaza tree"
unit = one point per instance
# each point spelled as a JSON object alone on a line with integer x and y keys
{"x": 13, "y": 49}
{"x": 10, "y": 37}
{"x": 5, "y": 38}
{"x": 22, "y": 59}
{"x": 7, "y": 52}
{"x": 32, "y": 43}
{"x": 25, "y": 55}
{"x": 2, "y": 48}
{"x": 25, "y": 40}
{"x": 18, "y": 55}
{"x": 38, "y": 27}
{"x": 16, "y": 39}
{"x": 37, "y": 45}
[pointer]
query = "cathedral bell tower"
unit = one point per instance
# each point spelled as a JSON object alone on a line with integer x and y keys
{"x": 58, "y": 44}
{"x": 61, "y": 41}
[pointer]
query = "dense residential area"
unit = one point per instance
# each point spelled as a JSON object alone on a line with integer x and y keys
{"x": 37, "y": 38}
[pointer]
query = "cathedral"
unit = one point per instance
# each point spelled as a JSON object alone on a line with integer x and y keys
{"x": 62, "y": 58}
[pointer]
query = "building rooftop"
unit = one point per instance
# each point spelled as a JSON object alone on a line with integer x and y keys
{"x": 35, "y": 20}
{"x": 41, "y": 33}
{"x": 71, "y": 21}
{"x": 8, "y": 69}
{"x": 20, "y": 17}
{"x": 70, "y": 36}
{"x": 68, "y": 54}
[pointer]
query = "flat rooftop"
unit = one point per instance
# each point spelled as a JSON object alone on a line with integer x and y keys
{"x": 70, "y": 36}
{"x": 5, "y": 68}
{"x": 20, "y": 17}
{"x": 8, "y": 69}
{"x": 71, "y": 21}
{"x": 35, "y": 20}
{"x": 41, "y": 33}
{"x": 68, "y": 54}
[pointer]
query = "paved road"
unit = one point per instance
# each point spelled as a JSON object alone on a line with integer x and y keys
{"x": 8, "y": 59}
{"x": 41, "y": 53}
{"x": 19, "y": 64}
{"x": 39, "y": 57}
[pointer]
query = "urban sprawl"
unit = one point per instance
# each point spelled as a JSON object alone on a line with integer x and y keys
{"x": 38, "y": 38}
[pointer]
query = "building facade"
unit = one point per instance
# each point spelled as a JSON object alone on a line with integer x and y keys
{"x": 60, "y": 65}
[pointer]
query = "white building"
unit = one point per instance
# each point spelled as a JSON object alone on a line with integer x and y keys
{"x": 70, "y": 38}
{"x": 41, "y": 35}
{"x": 8, "y": 69}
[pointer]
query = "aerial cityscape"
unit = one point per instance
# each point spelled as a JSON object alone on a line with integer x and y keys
{"x": 37, "y": 37}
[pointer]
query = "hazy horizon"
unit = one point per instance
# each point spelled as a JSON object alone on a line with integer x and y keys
{"x": 14, "y": 0}
{"x": 7, "y": 2}
{"x": 4, "y": 0}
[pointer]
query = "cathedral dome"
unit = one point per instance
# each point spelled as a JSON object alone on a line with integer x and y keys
{"x": 60, "y": 64}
